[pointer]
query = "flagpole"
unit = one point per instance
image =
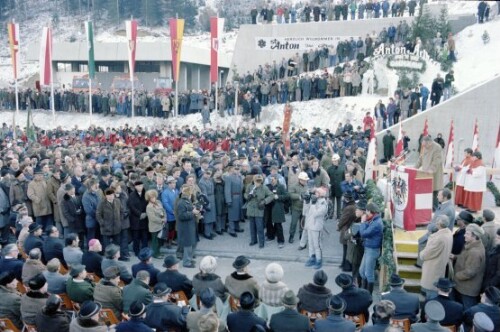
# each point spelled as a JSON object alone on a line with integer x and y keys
{"x": 16, "y": 113}
{"x": 132, "y": 80}
{"x": 217, "y": 80}
{"x": 53, "y": 107}
{"x": 176, "y": 100}
{"x": 90, "y": 100}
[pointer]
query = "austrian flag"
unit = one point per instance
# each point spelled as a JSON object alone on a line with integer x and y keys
{"x": 46, "y": 57}
{"x": 131, "y": 29}
{"x": 13, "y": 29}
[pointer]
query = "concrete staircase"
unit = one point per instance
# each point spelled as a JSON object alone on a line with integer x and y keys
{"x": 406, "y": 244}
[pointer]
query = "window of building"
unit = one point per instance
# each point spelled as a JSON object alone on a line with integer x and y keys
{"x": 63, "y": 67}
{"x": 83, "y": 67}
{"x": 103, "y": 69}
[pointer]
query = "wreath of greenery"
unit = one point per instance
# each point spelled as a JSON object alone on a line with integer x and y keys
{"x": 494, "y": 190}
{"x": 421, "y": 70}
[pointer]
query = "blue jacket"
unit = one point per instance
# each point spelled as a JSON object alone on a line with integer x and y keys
{"x": 385, "y": 6}
{"x": 133, "y": 325}
{"x": 372, "y": 233}
{"x": 391, "y": 32}
{"x": 424, "y": 92}
{"x": 349, "y": 187}
{"x": 90, "y": 201}
{"x": 168, "y": 197}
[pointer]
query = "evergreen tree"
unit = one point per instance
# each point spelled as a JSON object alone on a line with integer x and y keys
{"x": 424, "y": 27}
{"x": 151, "y": 12}
{"x": 443, "y": 24}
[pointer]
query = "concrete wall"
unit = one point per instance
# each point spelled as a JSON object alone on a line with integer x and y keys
{"x": 480, "y": 102}
{"x": 247, "y": 57}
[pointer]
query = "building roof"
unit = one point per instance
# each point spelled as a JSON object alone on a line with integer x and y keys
{"x": 146, "y": 51}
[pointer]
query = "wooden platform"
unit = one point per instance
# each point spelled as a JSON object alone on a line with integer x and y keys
{"x": 406, "y": 243}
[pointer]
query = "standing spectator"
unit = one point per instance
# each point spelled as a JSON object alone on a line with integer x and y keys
{"x": 451, "y": 48}
{"x": 424, "y": 93}
{"x": 481, "y": 10}
{"x": 186, "y": 225}
{"x": 72, "y": 211}
{"x": 448, "y": 85}
{"x": 90, "y": 201}
{"x": 314, "y": 213}
{"x": 156, "y": 219}
{"x": 412, "y": 4}
{"x": 257, "y": 196}
{"x": 138, "y": 217}
{"x": 108, "y": 216}
{"x": 253, "y": 14}
{"x": 475, "y": 183}
{"x": 388, "y": 142}
{"x": 207, "y": 188}
{"x": 168, "y": 197}
{"x": 37, "y": 193}
{"x": 233, "y": 191}
{"x": 490, "y": 230}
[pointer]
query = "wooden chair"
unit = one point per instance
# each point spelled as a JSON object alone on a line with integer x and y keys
{"x": 452, "y": 328}
{"x": 359, "y": 320}
{"x": 313, "y": 316}
{"x": 107, "y": 316}
{"x": 179, "y": 296}
{"x": 76, "y": 306}
{"x": 21, "y": 251}
{"x": 21, "y": 288}
{"x": 7, "y": 325}
{"x": 234, "y": 303}
{"x": 403, "y": 324}
{"x": 95, "y": 276}
{"x": 63, "y": 270}
{"x": 29, "y": 328}
{"x": 67, "y": 304}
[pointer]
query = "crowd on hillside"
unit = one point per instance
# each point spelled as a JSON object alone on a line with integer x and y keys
{"x": 321, "y": 11}
{"x": 88, "y": 200}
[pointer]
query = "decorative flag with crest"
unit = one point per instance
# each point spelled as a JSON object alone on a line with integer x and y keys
{"x": 13, "y": 29}
{"x": 131, "y": 29}
{"x": 450, "y": 152}
{"x": 475, "y": 138}
{"x": 176, "y": 33}
{"x": 371, "y": 155}
{"x": 399, "y": 143}
{"x": 216, "y": 29}
{"x": 46, "y": 57}
{"x": 89, "y": 29}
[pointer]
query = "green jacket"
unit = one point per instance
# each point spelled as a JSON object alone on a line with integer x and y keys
{"x": 80, "y": 291}
{"x": 136, "y": 291}
{"x": 256, "y": 202}
{"x": 295, "y": 192}
{"x": 109, "y": 296}
{"x": 337, "y": 175}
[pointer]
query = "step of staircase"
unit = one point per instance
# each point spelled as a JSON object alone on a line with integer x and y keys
{"x": 406, "y": 246}
{"x": 409, "y": 271}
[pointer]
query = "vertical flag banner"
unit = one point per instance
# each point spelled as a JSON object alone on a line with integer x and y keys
{"x": 371, "y": 155}
{"x": 131, "y": 29}
{"x": 426, "y": 128}
{"x": 176, "y": 33}
{"x": 46, "y": 56}
{"x": 30, "y": 128}
{"x": 89, "y": 29}
{"x": 475, "y": 138}
{"x": 399, "y": 143}
{"x": 13, "y": 29}
{"x": 450, "y": 152}
{"x": 216, "y": 30}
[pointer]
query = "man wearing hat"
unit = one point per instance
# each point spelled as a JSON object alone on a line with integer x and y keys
{"x": 435, "y": 313}
{"x": 233, "y": 192}
{"x": 34, "y": 239}
{"x": 79, "y": 288}
{"x": 138, "y": 218}
{"x": 162, "y": 314}
{"x": 435, "y": 256}
{"x": 407, "y": 304}
{"x": 469, "y": 267}
{"x": 490, "y": 230}
{"x": 483, "y": 323}
{"x": 289, "y": 320}
{"x": 240, "y": 281}
{"x": 296, "y": 190}
{"x": 138, "y": 289}
{"x": 111, "y": 256}
{"x": 173, "y": 278}
{"x": 313, "y": 296}
{"x": 257, "y": 196}
{"x": 136, "y": 314}
{"x": 245, "y": 319}
{"x": 10, "y": 306}
{"x": 146, "y": 264}
{"x": 37, "y": 193}
{"x": 382, "y": 314}
{"x": 371, "y": 231}
{"x": 34, "y": 299}
{"x": 490, "y": 300}
{"x": 335, "y": 320}
{"x": 207, "y": 188}
{"x": 357, "y": 300}
{"x": 87, "y": 318}
{"x": 207, "y": 304}
{"x": 453, "y": 310}
{"x": 345, "y": 221}
{"x": 53, "y": 184}
{"x": 463, "y": 219}
{"x": 108, "y": 293}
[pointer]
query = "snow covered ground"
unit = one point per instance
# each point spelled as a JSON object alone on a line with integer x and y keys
{"x": 477, "y": 62}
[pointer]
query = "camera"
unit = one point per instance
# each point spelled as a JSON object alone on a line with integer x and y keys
{"x": 203, "y": 204}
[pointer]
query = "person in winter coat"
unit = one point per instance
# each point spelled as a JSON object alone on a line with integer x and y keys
{"x": 313, "y": 296}
{"x": 88, "y": 320}
{"x": 37, "y": 193}
{"x": 108, "y": 293}
{"x": 34, "y": 299}
{"x": 168, "y": 198}
{"x": 281, "y": 197}
{"x": 53, "y": 184}
{"x": 207, "y": 278}
{"x": 156, "y": 219}
{"x": 10, "y": 306}
{"x": 90, "y": 200}
{"x": 315, "y": 210}
{"x": 220, "y": 204}
{"x": 138, "y": 217}
{"x": 122, "y": 196}
{"x": 469, "y": 267}
{"x": 52, "y": 317}
{"x": 437, "y": 90}
{"x": 492, "y": 273}
{"x": 207, "y": 188}
{"x": 72, "y": 211}
{"x": 205, "y": 113}
{"x": 257, "y": 196}
{"x": 108, "y": 216}
{"x": 186, "y": 225}
{"x": 233, "y": 191}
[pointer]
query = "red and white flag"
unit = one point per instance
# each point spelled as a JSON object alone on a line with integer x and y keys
{"x": 216, "y": 29}
{"x": 448, "y": 163}
{"x": 399, "y": 143}
{"x": 475, "y": 138}
{"x": 13, "y": 30}
{"x": 131, "y": 30}
{"x": 46, "y": 57}
{"x": 371, "y": 156}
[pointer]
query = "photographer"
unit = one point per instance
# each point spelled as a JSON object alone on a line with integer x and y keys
{"x": 277, "y": 211}
{"x": 315, "y": 210}
{"x": 257, "y": 196}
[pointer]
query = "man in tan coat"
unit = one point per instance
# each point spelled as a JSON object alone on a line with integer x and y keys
{"x": 470, "y": 267}
{"x": 431, "y": 160}
{"x": 435, "y": 256}
{"x": 42, "y": 207}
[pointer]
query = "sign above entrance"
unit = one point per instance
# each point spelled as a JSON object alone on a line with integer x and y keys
{"x": 297, "y": 43}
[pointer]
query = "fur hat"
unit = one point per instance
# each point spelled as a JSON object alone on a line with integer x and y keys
{"x": 208, "y": 264}
{"x": 274, "y": 272}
